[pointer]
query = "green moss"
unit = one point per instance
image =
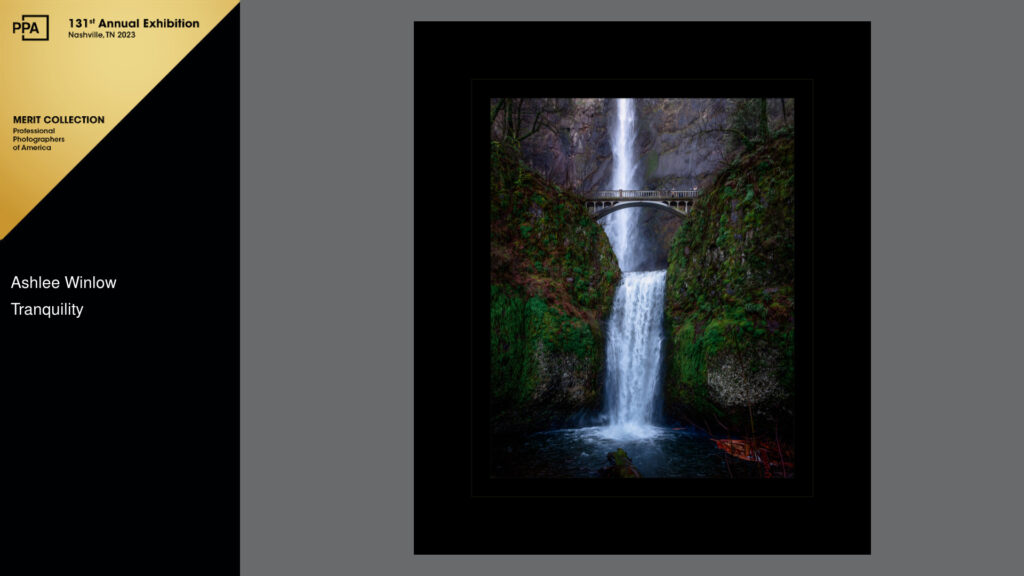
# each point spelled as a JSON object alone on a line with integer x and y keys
{"x": 553, "y": 277}
{"x": 546, "y": 232}
{"x": 522, "y": 328}
{"x": 651, "y": 164}
{"x": 508, "y": 347}
{"x": 620, "y": 466}
{"x": 730, "y": 280}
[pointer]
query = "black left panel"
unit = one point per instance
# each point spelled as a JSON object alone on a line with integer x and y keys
{"x": 124, "y": 422}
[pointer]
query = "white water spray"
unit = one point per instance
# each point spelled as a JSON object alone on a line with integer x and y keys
{"x": 634, "y": 352}
{"x": 634, "y": 329}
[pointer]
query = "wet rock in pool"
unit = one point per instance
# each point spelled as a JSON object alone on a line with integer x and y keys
{"x": 620, "y": 466}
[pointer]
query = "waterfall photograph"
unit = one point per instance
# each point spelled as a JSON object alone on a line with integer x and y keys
{"x": 642, "y": 288}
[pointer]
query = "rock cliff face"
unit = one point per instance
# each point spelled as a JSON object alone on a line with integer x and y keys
{"x": 575, "y": 151}
{"x": 553, "y": 276}
{"x": 681, "y": 142}
{"x": 730, "y": 301}
{"x": 679, "y": 145}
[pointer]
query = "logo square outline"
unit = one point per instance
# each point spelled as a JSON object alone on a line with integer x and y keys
{"x": 47, "y": 38}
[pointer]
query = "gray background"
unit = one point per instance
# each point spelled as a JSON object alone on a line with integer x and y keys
{"x": 327, "y": 286}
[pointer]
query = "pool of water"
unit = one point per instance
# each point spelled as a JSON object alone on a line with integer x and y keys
{"x": 656, "y": 452}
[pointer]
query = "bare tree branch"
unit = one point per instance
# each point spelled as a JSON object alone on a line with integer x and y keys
{"x": 496, "y": 109}
{"x": 515, "y": 118}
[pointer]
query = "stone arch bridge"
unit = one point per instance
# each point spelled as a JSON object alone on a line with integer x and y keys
{"x": 601, "y": 203}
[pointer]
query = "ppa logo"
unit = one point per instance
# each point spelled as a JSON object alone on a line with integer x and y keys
{"x": 33, "y": 27}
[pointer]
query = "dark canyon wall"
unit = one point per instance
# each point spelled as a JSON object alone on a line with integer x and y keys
{"x": 681, "y": 143}
{"x": 729, "y": 300}
{"x": 553, "y": 277}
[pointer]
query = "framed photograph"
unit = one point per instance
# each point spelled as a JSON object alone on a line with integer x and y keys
{"x": 642, "y": 288}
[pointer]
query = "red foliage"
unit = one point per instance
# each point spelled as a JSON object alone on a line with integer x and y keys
{"x": 765, "y": 452}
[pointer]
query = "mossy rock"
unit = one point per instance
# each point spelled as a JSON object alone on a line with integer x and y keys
{"x": 730, "y": 299}
{"x": 620, "y": 466}
{"x": 553, "y": 278}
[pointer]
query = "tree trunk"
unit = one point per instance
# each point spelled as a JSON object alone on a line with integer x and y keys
{"x": 765, "y": 134}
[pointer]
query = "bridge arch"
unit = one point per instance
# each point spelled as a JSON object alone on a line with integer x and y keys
{"x": 606, "y": 210}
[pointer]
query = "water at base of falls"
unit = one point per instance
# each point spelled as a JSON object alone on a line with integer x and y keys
{"x": 682, "y": 452}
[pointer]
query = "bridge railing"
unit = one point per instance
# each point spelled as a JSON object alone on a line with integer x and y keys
{"x": 636, "y": 194}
